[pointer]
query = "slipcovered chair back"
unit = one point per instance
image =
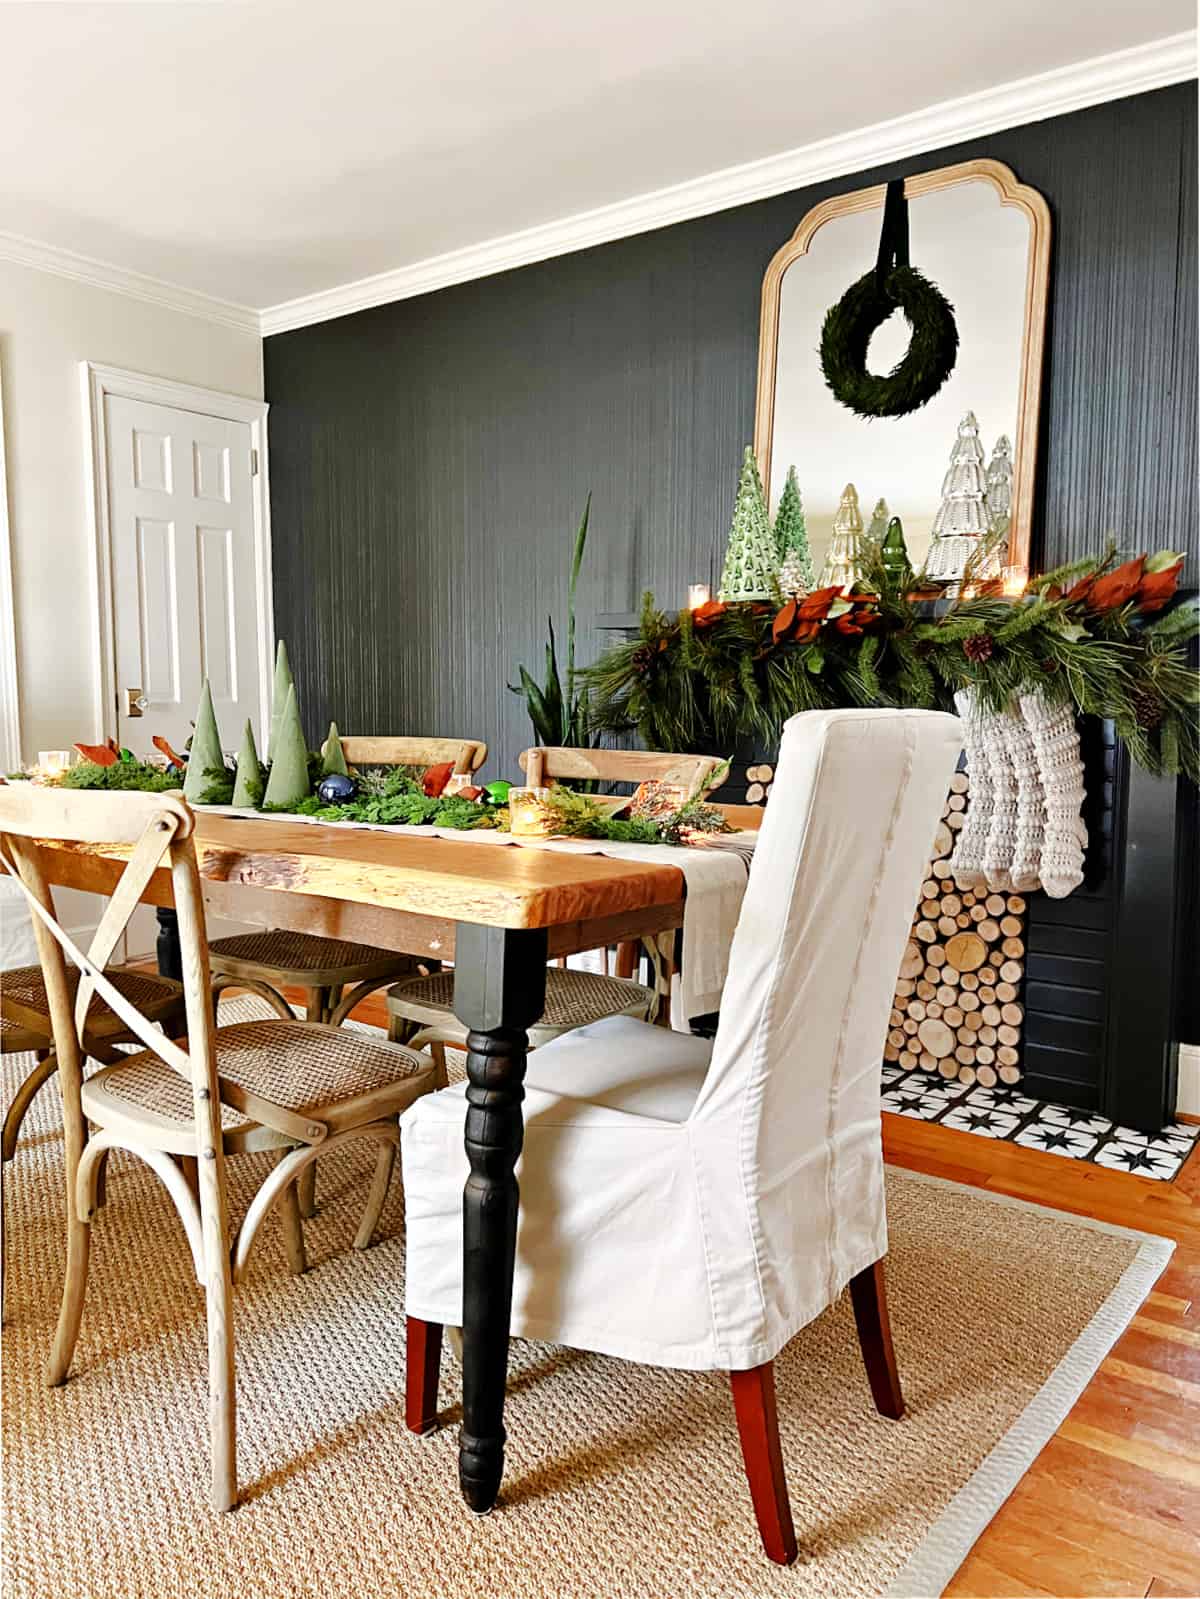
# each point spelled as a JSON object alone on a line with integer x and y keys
{"x": 788, "y": 1118}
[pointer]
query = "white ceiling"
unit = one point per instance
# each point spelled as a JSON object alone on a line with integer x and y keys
{"x": 261, "y": 150}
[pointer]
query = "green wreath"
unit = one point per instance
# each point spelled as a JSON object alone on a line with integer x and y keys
{"x": 849, "y": 325}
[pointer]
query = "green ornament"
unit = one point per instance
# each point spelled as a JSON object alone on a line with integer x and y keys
{"x": 751, "y": 563}
{"x": 894, "y": 552}
{"x": 205, "y": 755}
{"x": 333, "y": 756}
{"x": 498, "y": 791}
{"x": 288, "y": 782}
{"x": 279, "y": 694}
{"x": 248, "y": 787}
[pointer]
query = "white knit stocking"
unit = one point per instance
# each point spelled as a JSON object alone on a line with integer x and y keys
{"x": 1031, "y": 803}
{"x": 1056, "y": 745}
{"x": 1002, "y": 834}
{"x": 966, "y": 864}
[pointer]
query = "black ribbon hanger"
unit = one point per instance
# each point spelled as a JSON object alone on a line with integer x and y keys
{"x": 893, "y": 236}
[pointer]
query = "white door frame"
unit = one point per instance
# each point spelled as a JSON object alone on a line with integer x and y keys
{"x": 99, "y": 382}
{"x": 10, "y": 715}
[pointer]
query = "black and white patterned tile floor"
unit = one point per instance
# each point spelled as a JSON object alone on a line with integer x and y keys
{"x": 1010, "y": 1115}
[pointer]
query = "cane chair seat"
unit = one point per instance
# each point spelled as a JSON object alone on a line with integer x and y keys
{"x": 23, "y": 1003}
{"x": 18, "y": 1040}
{"x": 304, "y": 959}
{"x": 337, "y": 1076}
{"x": 573, "y": 999}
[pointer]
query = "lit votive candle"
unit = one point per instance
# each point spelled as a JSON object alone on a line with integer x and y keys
{"x": 1016, "y": 580}
{"x": 529, "y": 816}
{"x": 53, "y": 763}
{"x": 698, "y": 594}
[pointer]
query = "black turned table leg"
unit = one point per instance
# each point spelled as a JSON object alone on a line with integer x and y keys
{"x": 170, "y": 956}
{"x": 499, "y": 991}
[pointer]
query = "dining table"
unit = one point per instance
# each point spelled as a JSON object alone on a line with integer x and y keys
{"x": 499, "y": 914}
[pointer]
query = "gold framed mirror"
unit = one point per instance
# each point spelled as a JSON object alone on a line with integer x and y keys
{"x": 984, "y": 239}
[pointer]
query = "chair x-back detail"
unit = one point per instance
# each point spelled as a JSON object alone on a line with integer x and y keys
{"x": 182, "y": 1107}
{"x": 694, "y": 1204}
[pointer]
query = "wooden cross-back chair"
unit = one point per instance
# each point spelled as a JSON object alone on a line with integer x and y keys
{"x": 573, "y": 998}
{"x": 292, "y": 1086}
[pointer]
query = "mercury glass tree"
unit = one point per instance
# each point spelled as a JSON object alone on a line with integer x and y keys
{"x": 962, "y": 519}
{"x": 845, "y": 564}
{"x": 1000, "y": 486}
{"x": 880, "y": 517}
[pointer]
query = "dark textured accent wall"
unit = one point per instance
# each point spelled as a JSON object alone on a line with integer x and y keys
{"x": 430, "y": 458}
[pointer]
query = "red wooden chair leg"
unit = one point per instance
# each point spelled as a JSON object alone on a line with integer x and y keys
{"x": 868, "y": 1295}
{"x": 421, "y": 1374}
{"x": 758, "y": 1428}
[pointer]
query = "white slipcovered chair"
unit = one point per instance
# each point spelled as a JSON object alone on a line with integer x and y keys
{"x": 693, "y": 1204}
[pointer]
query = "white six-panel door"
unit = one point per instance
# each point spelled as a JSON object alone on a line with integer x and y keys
{"x": 184, "y": 576}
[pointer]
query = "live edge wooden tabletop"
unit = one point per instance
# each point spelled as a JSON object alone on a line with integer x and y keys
{"x": 399, "y": 890}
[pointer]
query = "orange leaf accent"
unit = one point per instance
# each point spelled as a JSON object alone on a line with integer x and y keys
{"x": 436, "y": 778}
{"x": 162, "y": 746}
{"x": 1156, "y": 588}
{"x": 815, "y": 606}
{"x": 784, "y": 622}
{"x": 806, "y": 631}
{"x": 705, "y": 615}
{"x": 98, "y": 754}
{"x": 1118, "y": 587}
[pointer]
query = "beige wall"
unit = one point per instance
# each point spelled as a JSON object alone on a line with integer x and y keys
{"x": 48, "y": 325}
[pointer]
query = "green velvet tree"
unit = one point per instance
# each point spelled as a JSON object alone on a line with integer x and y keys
{"x": 333, "y": 756}
{"x": 279, "y": 694}
{"x": 751, "y": 566}
{"x": 288, "y": 782}
{"x": 205, "y": 756}
{"x": 894, "y": 553}
{"x": 248, "y": 788}
{"x": 791, "y": 540}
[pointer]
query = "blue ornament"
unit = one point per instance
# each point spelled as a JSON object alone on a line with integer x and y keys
{"x": 336, "y": 789}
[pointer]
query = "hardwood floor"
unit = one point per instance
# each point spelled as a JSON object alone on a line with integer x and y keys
{"x": 1111, "y": 1506}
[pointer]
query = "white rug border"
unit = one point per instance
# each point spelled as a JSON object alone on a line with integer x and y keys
{"x": 946, "y": 1545}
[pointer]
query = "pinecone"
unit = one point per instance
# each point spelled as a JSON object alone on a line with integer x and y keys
{"x": 979, "y": 647}
{"x": 1148, "y": 709}
{"x": 642, "y": 660}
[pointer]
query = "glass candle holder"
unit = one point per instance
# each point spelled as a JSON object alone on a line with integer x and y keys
{"x": 698, "y": 594}
{"x": 53, "y": 763}
{"x": 1016, "y": 580}
{"x": 529, "y": 813}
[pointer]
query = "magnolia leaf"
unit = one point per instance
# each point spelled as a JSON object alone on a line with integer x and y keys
{"x": 1071, "y": 631}
{"x": 1162, "y": 559}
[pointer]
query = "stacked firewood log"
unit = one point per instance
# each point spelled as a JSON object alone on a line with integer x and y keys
{"x": 760, "y": 781}
{"x": 957, "y": 1009}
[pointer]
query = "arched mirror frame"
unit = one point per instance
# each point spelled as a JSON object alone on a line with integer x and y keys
{"x": 1037, "y": 278}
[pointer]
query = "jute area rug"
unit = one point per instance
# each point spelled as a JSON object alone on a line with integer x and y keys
{"x": 622, "y": 1480}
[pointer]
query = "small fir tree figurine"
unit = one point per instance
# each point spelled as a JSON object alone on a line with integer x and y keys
{"x": 279, "y": 694}
{"x": 880, "y": 518}
{"x": 333, "y": 756}
{"x": 791, "y": 540}
{"x": 751, "y": 570}
{"x": 999, "y": 486}
{"x": 288, "y": 782}
{"x": 894, "y": 553}
{"x": 845, "y": 563}
{"x": 205, "y": 757}
{"x": 248, "y": 787}
{"x": 963, "y": 517}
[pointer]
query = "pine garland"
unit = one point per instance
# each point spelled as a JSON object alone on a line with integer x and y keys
{"x": 1093, "y": 634}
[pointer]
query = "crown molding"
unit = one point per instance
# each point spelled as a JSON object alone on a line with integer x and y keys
{"x": 1048, "y": 94}
{"x": 120, "y": 280}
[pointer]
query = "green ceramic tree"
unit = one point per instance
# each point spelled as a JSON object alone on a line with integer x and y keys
{"x": 333, "y": 756}
{"x": 288, "y": 782}
{"x": 279, "y": 694}
{"x": 791, "y": 540}
{"x": 205, "y": 756}
{"x": 751, "y": 566}
{"x": 248, "y": 788}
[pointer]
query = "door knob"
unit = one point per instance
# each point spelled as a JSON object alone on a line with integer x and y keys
{"x": 135, "y": 702}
